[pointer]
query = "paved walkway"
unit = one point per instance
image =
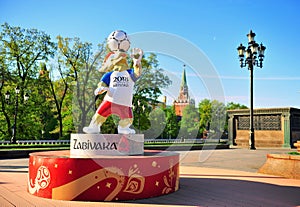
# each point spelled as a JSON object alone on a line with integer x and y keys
{"x": 207, "y": 178}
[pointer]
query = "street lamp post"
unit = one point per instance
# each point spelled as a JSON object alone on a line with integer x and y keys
{"x": 7, "y": 97}
{"x": 254, "y": 57}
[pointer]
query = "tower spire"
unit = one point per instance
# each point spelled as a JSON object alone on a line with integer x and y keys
{"x": 183, "y": 99}
{"x": 183, "y": 78}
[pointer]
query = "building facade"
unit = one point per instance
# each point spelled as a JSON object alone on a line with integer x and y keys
{"x": 183, "y": 99}
{"x": 273, "y": 127}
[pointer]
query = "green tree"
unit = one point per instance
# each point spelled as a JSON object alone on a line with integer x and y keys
{"x": 205, "y": 112}
{"x": 21, "y": 51}
{"x": 189, "y": 124}
{"x": 141, "y": 110}
{"x": 218, "y": 119}
{"x": 153, "y": 79}
{"x": 5, "y": 121}
{"x": 212, "y": 117}
{"x": 59, "y": 89}
{"x": 172, "y": 127}
{"x": 157, "y": 121}
{"x": 44, "y": 98}
{"x": 147, "y": 90}
{"x": 79, "y": 64}
{"x": 232, "y": 105}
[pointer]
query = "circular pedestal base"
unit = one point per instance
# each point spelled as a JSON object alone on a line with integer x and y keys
{"x": 56, "y": 175}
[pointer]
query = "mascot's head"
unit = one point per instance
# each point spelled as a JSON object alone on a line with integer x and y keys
{"x": 118, "y": 43}
{"x": 113, "y": 60}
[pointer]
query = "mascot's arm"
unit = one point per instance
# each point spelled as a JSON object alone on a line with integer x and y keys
{"x": 137, "y": 70}
{"x": 102, "y": 87}
{"x": 137, "y": 55}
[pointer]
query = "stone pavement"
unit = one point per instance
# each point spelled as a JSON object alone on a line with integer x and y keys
{"x": 225, "y": 177}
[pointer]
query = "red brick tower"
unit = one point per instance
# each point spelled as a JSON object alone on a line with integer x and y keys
{"x": 183, "y": 99}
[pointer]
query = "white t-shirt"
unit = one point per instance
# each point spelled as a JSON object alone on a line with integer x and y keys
{"x": 121, "y": 85}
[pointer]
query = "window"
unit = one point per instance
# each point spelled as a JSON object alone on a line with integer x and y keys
{"x": 260, "y": 122}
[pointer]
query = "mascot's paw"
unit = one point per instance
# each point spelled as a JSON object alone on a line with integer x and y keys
{"x": 91, "y": 130}
{"x": 125, "y": 130}
{"x": 100, "y": 90}
{"x": 137, "y": 55}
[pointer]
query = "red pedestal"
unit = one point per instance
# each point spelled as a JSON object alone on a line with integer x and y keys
{"x": 109, "y": 178}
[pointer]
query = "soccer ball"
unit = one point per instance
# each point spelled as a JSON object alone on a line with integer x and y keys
{"x": 118, "y": 40}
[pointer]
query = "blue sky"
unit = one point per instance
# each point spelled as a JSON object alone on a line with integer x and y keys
{"x": 215, "y": 27}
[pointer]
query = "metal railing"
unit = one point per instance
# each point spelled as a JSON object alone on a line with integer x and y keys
{"x": 198, "y": 141}
{"x": 148, "y": 141}
{"x": 37, "y": 142}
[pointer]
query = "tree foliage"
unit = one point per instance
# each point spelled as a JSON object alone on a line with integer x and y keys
{"x": 61, "y": 77}
{"x": 21, "y": 51}
{"x": 232, "y": 105}
{"x": 147, "y": 89}
{"x": 189, "y": 124}
{"x": 212, "y": 117}
{"x": 153, "y": 79}
{"x": 172, "y": 126}
{"x": 81, "y": 66}
{"x": 205, "y": 112}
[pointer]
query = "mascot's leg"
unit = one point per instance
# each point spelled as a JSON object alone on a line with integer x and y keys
{"x": 95, "y": 124}
{"x": 124, "y": 125}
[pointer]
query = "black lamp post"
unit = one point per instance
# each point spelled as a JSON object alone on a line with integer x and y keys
{"x": 7, "y": 96}
{"x": 254, "y": 57}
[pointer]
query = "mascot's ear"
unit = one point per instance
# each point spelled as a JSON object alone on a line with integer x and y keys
{"x": 112, "y": 59}
{"x": 107, "y": 64}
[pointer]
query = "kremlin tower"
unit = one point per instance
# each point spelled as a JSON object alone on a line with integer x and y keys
{"x": 183, "y": 99}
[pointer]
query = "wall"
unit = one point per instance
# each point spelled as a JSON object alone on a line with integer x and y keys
{"x": 274, "y": 127}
